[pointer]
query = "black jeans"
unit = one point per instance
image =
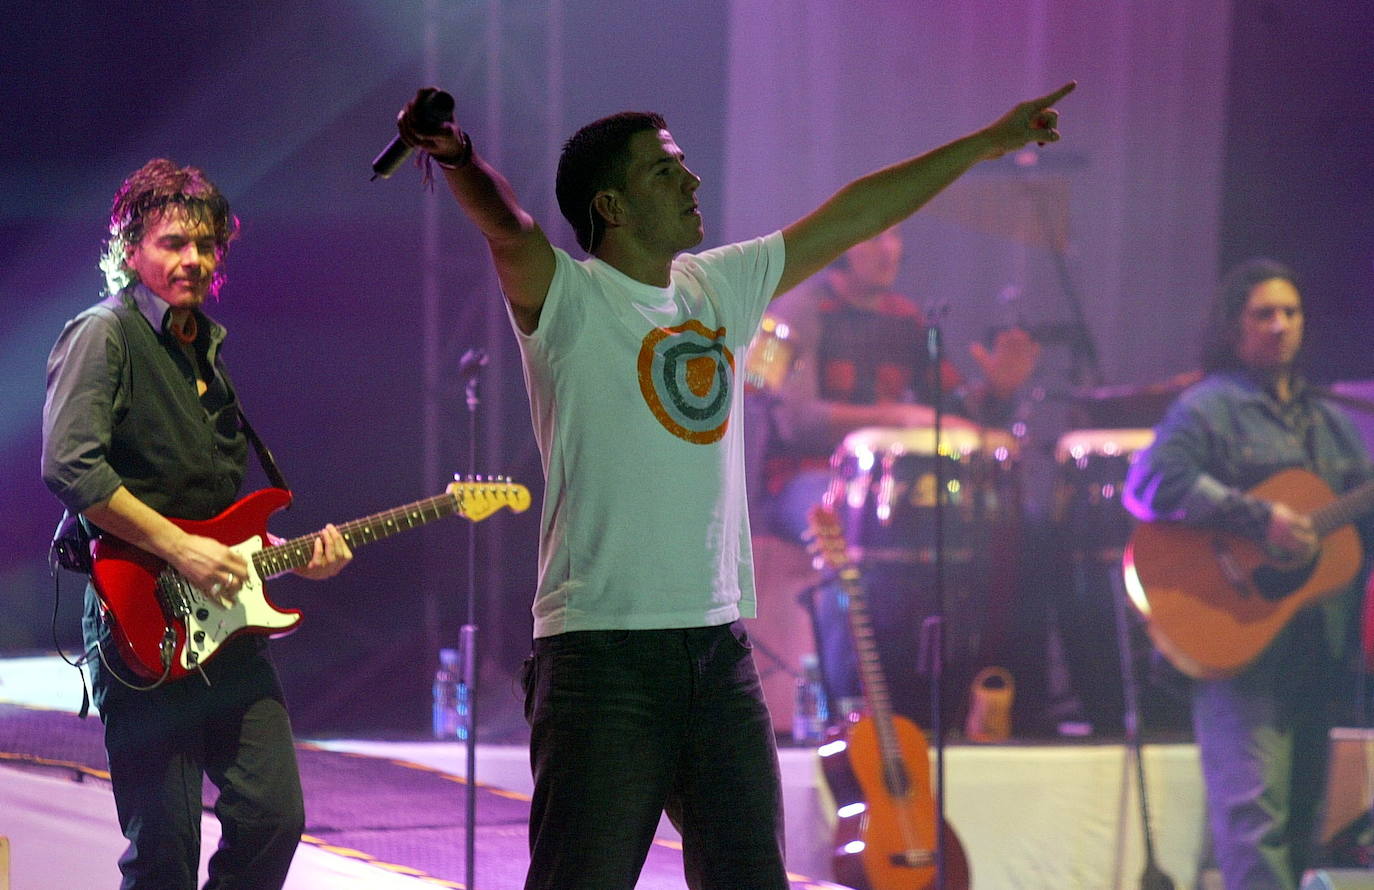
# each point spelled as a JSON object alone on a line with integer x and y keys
{"x": 236, "y": 731}
{"x": 628, "y": 724}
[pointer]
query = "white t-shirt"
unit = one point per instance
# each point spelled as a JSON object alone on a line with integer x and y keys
{"x": 634, "y": 401}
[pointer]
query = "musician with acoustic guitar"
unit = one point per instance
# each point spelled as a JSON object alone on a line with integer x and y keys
{"x": 1235, "y": 549}
{"x": 142, "y": 426}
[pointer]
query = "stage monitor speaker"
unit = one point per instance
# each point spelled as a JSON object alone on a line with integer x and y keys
{"x": 1350, "y": 780}
{"x": 1338, "y": 879}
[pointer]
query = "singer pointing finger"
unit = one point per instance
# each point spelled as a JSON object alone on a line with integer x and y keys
{"x": 641, "y": 689}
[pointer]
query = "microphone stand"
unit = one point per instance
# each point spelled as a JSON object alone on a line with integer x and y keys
{"x": 470, "y": 368}
{"x": 1151, "y": 877}
{"x": 932, "y": 647}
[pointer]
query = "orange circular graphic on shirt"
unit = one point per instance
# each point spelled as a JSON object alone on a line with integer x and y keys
{"x": 687, "y": 375}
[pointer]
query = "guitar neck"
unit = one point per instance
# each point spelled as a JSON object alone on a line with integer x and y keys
{"x": 871, "y": 677}
{"x": 296, "y": 552}
{"x": 1344, "y": 510}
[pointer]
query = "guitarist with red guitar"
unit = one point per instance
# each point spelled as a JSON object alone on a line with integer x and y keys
{"x": 1247, "y": 571}
{"x": 142, "y": 424}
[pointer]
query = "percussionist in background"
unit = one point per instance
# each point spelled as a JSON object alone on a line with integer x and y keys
{"x": 845, "y": 351}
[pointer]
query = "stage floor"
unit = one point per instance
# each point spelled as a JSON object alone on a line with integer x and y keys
{"x": 389, "y": 814}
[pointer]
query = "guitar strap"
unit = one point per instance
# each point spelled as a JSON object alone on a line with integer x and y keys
{"x": 269, "y": 463}
{"x": 265, "y": 458}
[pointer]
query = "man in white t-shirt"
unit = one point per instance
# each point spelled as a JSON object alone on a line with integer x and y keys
{"x": 641, "y": 691}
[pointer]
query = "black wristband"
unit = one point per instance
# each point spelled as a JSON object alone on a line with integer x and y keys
{"x": 459, "y": 160}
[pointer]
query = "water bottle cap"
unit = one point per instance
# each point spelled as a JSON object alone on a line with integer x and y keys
{"x": 448, "y": 657}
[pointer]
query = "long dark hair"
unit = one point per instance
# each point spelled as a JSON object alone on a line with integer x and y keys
{"x": 1223, "y": 323}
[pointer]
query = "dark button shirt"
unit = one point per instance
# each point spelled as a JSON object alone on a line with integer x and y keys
{"x": 122, "y": 408}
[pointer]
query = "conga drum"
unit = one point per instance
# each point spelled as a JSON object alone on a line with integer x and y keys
{"x": 883, "y": 489}
{"x": 1093, "y": 526}
{"x": 1092, "y": 472}
{"x": 884, "y": 484}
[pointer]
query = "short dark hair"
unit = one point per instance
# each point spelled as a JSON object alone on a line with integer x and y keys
{"x": 597, "y": 157}
{"x": 144, "y": 196}
{"x": 1223, "y": 324}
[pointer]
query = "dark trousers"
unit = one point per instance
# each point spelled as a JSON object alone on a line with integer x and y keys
{"x": 161, "y": 743}
{"x": 628, "y": 724}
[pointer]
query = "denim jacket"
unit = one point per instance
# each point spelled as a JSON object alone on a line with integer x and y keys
{"x": 1227, "y": 434}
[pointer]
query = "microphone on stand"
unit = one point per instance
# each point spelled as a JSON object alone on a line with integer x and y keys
{"x": 469, "y": 371}
{"x": 434, "y": 109}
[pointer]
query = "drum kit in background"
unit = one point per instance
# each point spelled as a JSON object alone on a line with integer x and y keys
{"x": 1027, "y": 592}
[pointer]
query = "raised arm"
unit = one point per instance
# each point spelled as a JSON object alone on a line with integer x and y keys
{"x": 880, "y": 200}
{"x": 522, "y": 253}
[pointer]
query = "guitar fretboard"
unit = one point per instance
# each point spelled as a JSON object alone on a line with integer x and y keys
{"x": 832, "y": 548}
{"x": 1344, "y": 510}
{"x": 296, "y": 552}
{"x": 874, "y": 683}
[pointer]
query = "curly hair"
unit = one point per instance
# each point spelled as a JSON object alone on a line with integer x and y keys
{"x": 1223, "y": 324}
{"x": 596, "y": 157}
{"x": 143, "y": 199}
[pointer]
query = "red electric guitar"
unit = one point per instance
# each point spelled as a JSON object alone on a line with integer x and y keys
{"x": 166, "y": 628}
{"x": 879, "y": 775}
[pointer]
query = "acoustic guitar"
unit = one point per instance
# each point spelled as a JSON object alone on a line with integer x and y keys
{"x": 1213, "y": 602}
{"x": 165, "y": 628}
{"x": 879, "y": 772}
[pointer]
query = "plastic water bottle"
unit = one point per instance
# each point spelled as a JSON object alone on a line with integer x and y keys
{"x": 448, "y": 719}
{"x": 809, "y": 711}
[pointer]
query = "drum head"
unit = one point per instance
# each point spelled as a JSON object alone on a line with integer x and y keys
{"x": 1078, "y": 444}
{"x": 956, "y": 441}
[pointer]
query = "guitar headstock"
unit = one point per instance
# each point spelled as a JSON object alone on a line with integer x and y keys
{"x": 479, "y": 498}
{"x": 826, "y": 538}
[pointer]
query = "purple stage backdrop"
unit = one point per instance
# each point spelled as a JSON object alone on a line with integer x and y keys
{"x": 1196, "y": 137}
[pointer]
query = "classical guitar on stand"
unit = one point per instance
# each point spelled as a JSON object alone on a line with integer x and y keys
{"x": 166, "y": 628}
{"x": 879, "y": 773}
{"x": 1212, "y": 601}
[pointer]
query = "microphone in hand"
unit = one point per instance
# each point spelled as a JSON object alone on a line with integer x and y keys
{"x": 431, "y": 109}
